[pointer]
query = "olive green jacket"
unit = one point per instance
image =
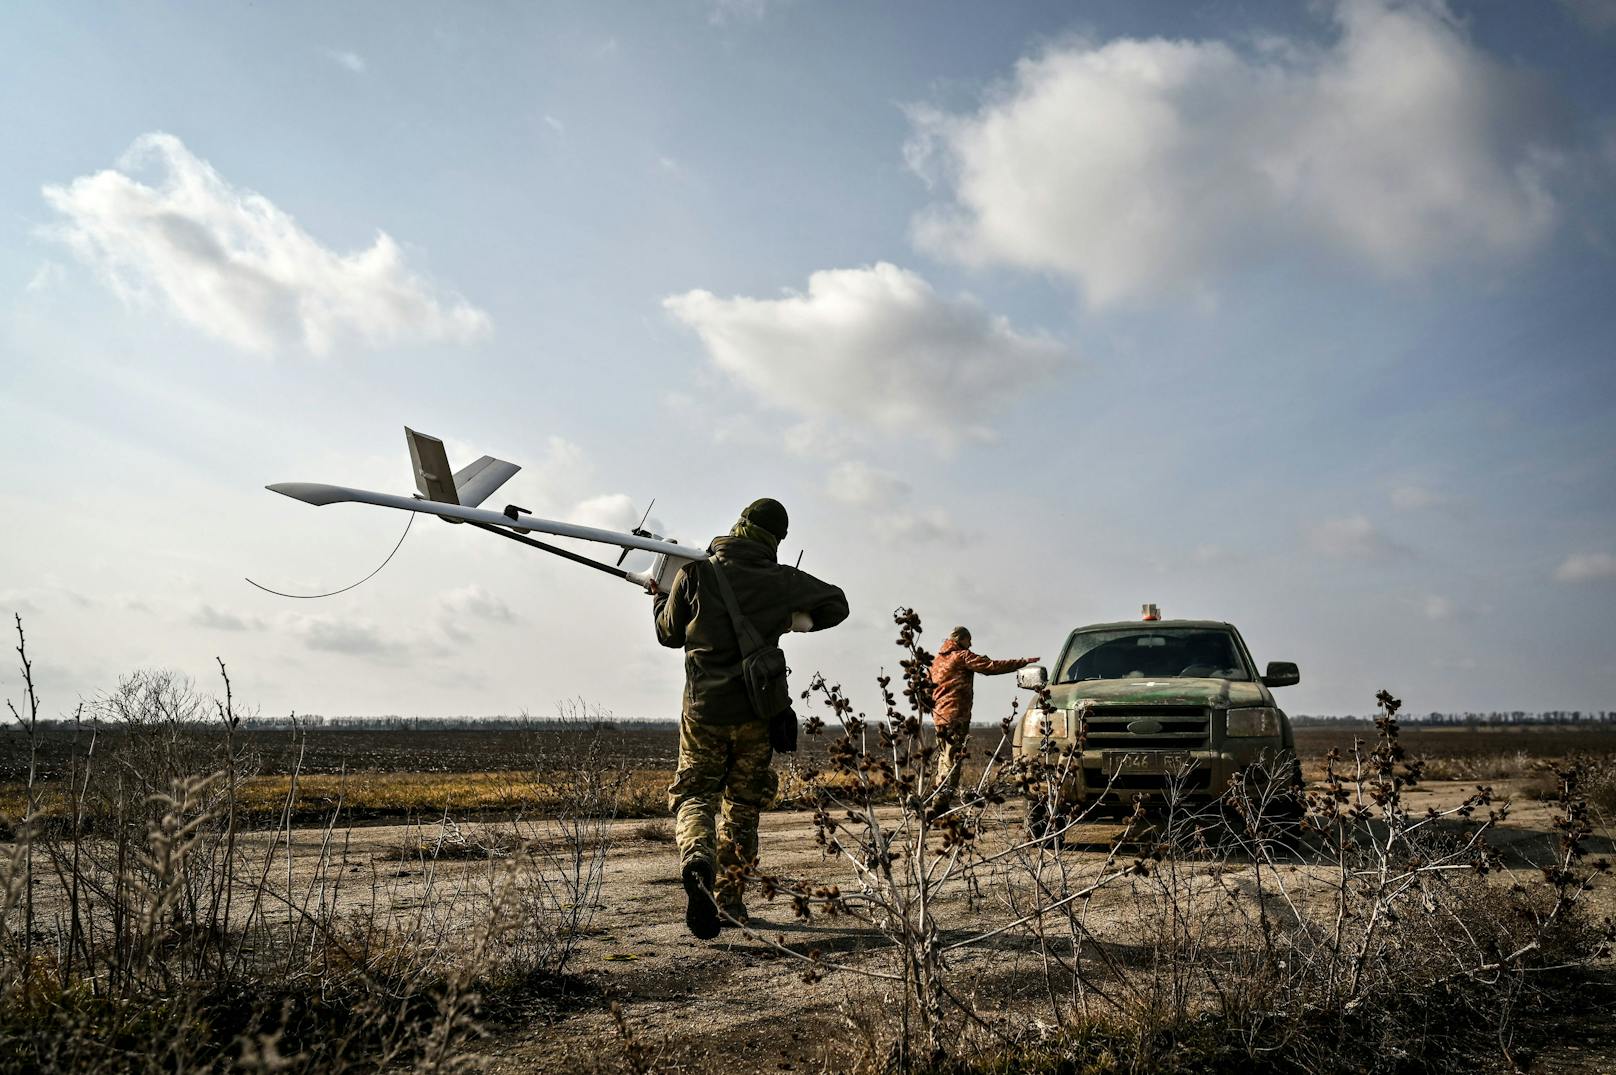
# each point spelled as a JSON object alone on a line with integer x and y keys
{"x": 692, "y": 614}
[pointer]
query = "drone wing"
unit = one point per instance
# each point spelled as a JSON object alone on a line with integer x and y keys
{"x": 453, "y": 497}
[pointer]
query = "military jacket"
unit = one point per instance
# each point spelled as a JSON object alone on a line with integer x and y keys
{"x": 692, "y": 615}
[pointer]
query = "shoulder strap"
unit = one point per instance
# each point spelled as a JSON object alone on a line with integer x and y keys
{"x": 750, "y": 640}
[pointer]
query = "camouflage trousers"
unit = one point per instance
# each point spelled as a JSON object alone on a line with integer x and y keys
{"x": 951, "y": 749}
{"x": 724, "y": 782}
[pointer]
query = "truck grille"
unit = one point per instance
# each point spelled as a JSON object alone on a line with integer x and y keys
{"x": 1183, "y": 727}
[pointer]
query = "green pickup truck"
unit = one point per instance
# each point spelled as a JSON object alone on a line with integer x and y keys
{"x": 1145, "y": 707}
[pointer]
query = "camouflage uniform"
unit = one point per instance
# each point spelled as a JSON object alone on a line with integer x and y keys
{"x": 729, "y": 761}
{"x": 724, "y": 749}
{"x": 953, "y": 692}
{"x": 951, "y": 751}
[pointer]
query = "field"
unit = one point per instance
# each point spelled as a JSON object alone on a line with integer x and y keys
{"x": 197, "y": 895}
{"x": 411, "y": 775}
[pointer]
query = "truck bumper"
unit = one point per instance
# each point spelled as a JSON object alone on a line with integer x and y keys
{"x": 1096, "y": 775}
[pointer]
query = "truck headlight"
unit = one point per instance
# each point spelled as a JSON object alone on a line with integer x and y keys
{"x": 1032, "y": 723}
{"x": 1253, "y": 723}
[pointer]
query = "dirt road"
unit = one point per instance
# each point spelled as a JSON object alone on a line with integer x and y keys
{"x": 740, "y": 1005}
{"x": 737, "y": 1005}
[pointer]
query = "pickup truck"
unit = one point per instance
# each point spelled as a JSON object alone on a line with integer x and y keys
{"x": 1151, "y": 708}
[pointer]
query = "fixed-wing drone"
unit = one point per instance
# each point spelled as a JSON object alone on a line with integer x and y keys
{"x": 454, "y": 496}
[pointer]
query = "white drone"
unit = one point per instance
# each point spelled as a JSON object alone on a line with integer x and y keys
{"x": 454, "y": 497}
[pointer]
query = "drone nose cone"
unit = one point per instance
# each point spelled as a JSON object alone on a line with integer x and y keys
{"x": 308, "y": 492}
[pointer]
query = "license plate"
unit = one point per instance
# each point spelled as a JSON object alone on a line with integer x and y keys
{"x": 1150, "y": 762}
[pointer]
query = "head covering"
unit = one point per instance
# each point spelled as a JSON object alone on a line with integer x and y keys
{"x": 768, "y": 515}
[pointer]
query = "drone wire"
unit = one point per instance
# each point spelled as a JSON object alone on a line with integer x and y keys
{"x": 345, "y": 589}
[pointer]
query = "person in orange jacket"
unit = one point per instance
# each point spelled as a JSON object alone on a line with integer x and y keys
{"x": 953, "y": 689}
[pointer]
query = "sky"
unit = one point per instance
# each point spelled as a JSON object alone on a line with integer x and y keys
{"x": 1299, "y": 316}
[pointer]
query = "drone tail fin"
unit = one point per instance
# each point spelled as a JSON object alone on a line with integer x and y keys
{"x": 468, "y": 486}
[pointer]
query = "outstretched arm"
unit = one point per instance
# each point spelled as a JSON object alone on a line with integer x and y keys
{"x": 988, "y": 667}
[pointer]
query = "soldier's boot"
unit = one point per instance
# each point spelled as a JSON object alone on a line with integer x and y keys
{"x": 701, "y": 913}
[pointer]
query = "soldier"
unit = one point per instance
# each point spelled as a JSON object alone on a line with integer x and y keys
{"x": 724, "y": 746}
{"x": 953, "y": 689}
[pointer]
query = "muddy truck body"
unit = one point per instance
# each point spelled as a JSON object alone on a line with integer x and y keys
{"x": 1153, "y": 709}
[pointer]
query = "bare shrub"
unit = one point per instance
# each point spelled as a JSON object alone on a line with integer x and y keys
{"x": 172, "y": 939}
{"x": 1339, "y": 930}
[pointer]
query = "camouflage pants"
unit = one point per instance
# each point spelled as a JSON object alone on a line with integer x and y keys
{"x": 951, "y": 748}
{"x": 722, "y": 767}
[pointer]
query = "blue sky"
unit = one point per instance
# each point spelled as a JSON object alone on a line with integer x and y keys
{"x": 1293, "y": 315}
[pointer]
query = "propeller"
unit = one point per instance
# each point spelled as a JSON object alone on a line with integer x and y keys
{"x": 639, "y": 531}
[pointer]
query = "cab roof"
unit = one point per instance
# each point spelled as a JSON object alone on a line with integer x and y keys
{"x": 1150, "y": 625}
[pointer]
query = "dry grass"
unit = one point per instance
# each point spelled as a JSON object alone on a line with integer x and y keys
{"x": 655, "y": 831}
{"x": 168, "y": 943}
{"x": 142, "y": 930}
{"x": 392, "y": 796}
{"x": 1351, "y": 928}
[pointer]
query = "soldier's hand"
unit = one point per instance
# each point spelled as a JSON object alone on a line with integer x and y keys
{"x": 1030, "y": 660}
{"x": 652, "y": 588}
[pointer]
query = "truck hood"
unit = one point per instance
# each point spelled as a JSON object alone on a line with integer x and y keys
{"x": 1217, "y": 693}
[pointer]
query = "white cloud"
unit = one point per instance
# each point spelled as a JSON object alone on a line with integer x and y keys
{"x": 877, "y": 347}
{"x": 723, "y": 12}
{"x": 229, "y": 262}
{"x": 476, "y": 602}
{"x": 1412, "y": 496}
{"x": 816, "y": 438}
{"x": 1586, "y": 567}
{"x": 45, "y": 278}
{"x": 1211, "y": 555}
{"x": 559, "y": 478}
{"x": 918, "y": 526}
{"x": 13, "y": 602}
{"x": 1145, "y": 166}
{"x": 1436, "y": 607}
{"x": 613, "y": 511}
{"x": 886, "y": 501}
{"x": 35, "y": 600}
{"x": 857, "y": 483}
{"x": 1352, "y": 537}
{"x": 351, "y": 637}
{"x": 554, "y": 124}
{"x": 351, "y": 60}
{"x": 214, "y": 619}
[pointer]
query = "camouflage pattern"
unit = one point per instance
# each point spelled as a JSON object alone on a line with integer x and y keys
{"x": 692, "y": 615}
{"x": 951, "y": 751}
{"x": 953, "y": 683}
{"x": 724, "y": 775}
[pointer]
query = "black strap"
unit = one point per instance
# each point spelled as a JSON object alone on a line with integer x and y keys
{"x": 745, "y": 633}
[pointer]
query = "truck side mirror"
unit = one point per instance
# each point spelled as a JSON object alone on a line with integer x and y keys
{"x": 1281, "y": 674}
{"x": 1033, "y": 677}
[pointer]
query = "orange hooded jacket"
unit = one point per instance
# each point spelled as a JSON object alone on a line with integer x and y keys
{"x": 953, "y": 686}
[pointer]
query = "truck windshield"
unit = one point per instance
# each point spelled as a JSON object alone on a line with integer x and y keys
{"x": 1165, "y": 653}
